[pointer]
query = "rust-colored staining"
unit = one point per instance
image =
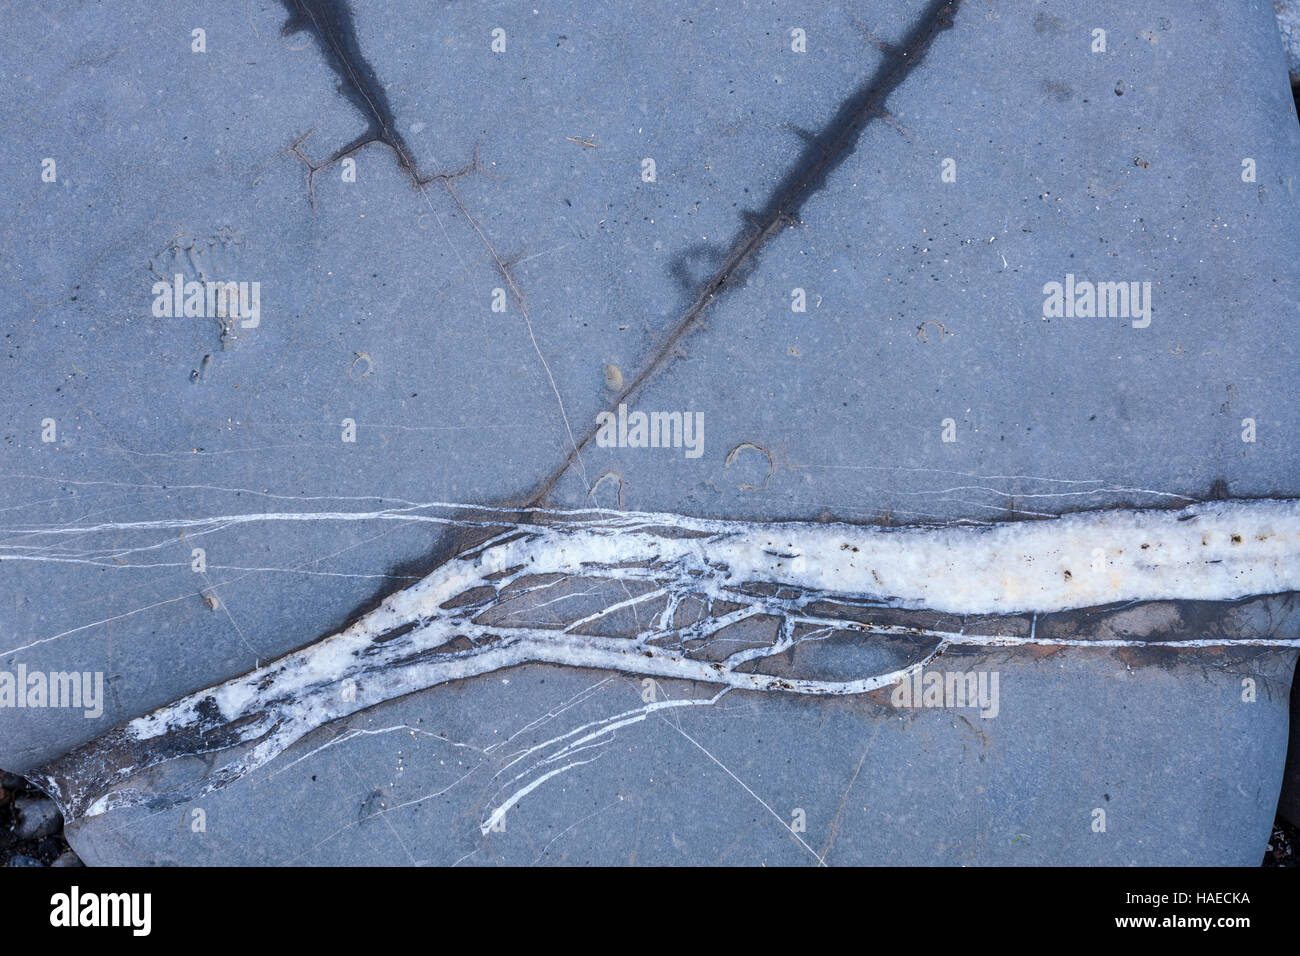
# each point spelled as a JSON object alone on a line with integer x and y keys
{"x": 881, "y": 695}
{"x": 1136, "y": 657}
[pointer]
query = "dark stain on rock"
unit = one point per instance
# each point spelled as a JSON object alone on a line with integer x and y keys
{"x": 330, "y": 21}
{"x": 826, "y": 150}
{"x": 1046, "y": 23}
{"x": 1058, "y": 91}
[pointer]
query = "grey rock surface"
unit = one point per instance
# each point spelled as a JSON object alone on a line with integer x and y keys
{"x": 720, "y": 785}
{"x": 1171, "y": 157}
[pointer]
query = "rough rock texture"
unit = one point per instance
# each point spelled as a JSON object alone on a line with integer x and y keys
{"x": 198, "y": 509}
{"x": 1288, "y": 20}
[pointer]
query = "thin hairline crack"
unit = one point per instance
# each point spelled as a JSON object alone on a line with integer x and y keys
{"x": 331, "y": 22}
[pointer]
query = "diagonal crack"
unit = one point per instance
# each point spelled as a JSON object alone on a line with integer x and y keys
{"x": 332, "y": 23}
{"x": 413, "y": 640}
{"x": 822, "y": 154}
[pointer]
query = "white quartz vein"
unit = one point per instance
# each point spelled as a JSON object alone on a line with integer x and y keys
{"x": 456, "y": 623}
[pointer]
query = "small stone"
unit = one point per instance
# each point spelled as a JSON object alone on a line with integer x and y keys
{"x": 19, "y": 859}
{"x": 67, "y": 858}
{"x": 10, "y": 781}
{"x": 613, "y": 377}
{"x": 35, "y": 817}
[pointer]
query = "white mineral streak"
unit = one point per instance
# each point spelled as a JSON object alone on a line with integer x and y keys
{"x": 1214, "y": 551}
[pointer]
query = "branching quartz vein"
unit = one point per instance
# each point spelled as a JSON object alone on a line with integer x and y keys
{"x": 721, "y": 603}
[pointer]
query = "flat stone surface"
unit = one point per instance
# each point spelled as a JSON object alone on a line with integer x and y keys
{"x": 408, "y": 782}
{"x": 924, "y": 303}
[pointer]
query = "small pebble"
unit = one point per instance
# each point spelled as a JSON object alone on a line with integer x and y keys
{"x": 18, "y": 859}
{"x": 35, "y": 817}
{"x": 67, "y": 858}
{"x": 613, "y": 377}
